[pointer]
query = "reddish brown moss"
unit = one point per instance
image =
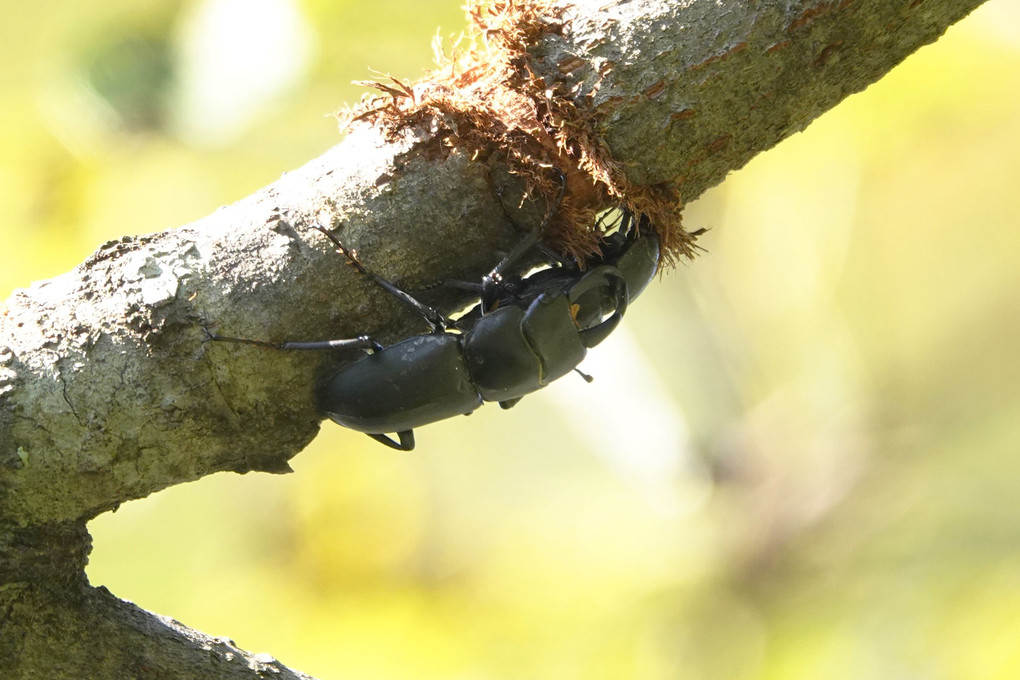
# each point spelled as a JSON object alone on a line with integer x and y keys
{"x": 485, "y": 99}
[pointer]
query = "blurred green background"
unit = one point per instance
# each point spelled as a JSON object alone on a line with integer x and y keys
{"x": 799, "y": 458}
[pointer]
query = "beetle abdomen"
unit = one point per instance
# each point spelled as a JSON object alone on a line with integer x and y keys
{"x": 412, "y": 383}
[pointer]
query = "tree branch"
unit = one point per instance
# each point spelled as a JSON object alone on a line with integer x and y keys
{"x": 108, "y": 391}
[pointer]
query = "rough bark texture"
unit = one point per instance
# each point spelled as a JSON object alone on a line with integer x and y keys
{"x": 108, "y": 392}
{"x": 690, "y": 90}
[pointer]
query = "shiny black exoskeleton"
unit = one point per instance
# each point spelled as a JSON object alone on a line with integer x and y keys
{"x": 523, "y": 334}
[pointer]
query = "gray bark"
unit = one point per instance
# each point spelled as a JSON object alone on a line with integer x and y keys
{"x": 108, "y": 392}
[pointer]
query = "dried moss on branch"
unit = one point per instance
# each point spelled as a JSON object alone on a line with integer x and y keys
{"x": 485, "y": 98}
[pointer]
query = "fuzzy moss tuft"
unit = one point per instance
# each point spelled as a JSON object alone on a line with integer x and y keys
{"x": 484, "y": 98}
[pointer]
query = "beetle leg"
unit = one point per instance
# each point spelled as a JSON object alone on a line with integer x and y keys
{"x": 406, "y": 440}
{"x": 430, "y": 314}
{"x": 550, "y": 255}
{"x": 364, "y": 342}
{"x": 361, "y": 342}
{"x": 469, "y": 286}
{"x": 494, "y": 279}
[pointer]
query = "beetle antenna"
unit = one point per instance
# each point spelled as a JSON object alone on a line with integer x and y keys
{"x": 587, "y": 378}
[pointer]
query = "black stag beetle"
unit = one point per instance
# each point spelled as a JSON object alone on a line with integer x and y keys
{"x": 523, "y": 334}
